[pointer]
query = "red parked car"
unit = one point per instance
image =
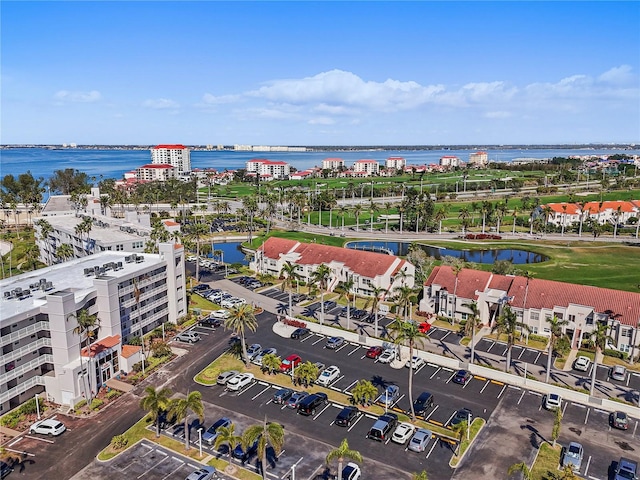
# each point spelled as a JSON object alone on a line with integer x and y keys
{"x": 291, "y": 361}
{"x": 424, "y": 327}
{"x": 374, "y": 352}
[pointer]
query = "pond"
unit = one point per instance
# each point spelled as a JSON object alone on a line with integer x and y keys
{"x": 515, "y": 256}
{"x": 232, "y": 252}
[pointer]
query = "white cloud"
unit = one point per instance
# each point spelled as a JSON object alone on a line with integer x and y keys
{"x": 321, "y": 121}
{"x": 160, "y": 104}
{"x": 498, "y": 114}
{"x": 621, "y": 75}
{"x": 210, "y": 99}
{"x": 77, "y": 96}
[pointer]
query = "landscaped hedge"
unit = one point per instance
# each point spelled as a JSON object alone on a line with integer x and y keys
{"x": 295, "y": 323}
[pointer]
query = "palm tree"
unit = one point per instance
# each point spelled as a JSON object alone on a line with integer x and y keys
{"x": 64, "y": 251}
{"x": 508, "y": 324}
{"x": 555, "y": 325}
{"x": 87, "y": 327}
{"x": 522, "y": 468}
{"x": 403, "y": 299}
{"x": 345, "y": 292}
{"x": 408, "y": 332}
{"x": 364, "y": 392}
{"x": 473, "y": 322}
{"x": 227, "y": 436}
{"x": 374, "y": 302}
{"x": 342, "y": 452}
{"x": 242, "y": 319}
{"x": 306, "y": 373}
{"x": 462, "y": 429}
{"x": 269, "y": 434}
{"x": 441, "y": 214}
{"x": 194, "y": 233}
{"x": 321, "y": 276}
{"x": 456, "y": 268}
{"x": 290, "y": 273}
{"x": 271, "y": 363}
{"x": 357, "y": 210}
{"x": 45, "y": 230}
{"x": 155, "y": 402}
{"x": 600, "y": 338}
{"x": 182, "y": 407}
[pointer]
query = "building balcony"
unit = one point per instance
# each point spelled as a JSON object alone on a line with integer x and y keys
{"x": 23, "y": 332}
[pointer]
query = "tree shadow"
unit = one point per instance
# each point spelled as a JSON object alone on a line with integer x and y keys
{"x": 378, "y": 381}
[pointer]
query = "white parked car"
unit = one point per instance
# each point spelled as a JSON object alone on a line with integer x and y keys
{"x": 328, "y": 376}
{"x": 222, "y": 314}
{"x": 416, "y": 362}
{"x": 552, "y": 401}
{"x": 351, "y": 471}
{"x": 582, "y": 363}
{"x": 240, "y": 381}
{"x": 228, "y": 303}
{"x": 387, "y": 356}
{"x": 48, "y": 427}
{"x": 403, "y": 433}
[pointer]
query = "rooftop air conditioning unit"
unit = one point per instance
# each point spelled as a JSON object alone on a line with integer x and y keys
{"x": 7, "y": 295}
{"x": 139, "y": 259}
{"x": 128, "y": 259}
{"x": 120, "y": 266}
{"x": 47, "y": 286}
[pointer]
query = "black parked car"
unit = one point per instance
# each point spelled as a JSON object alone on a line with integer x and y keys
{"x": 462, "y": 377}
{"x": 282, "y": 395}
{"x": 300, "y": 333}
{"x": 347, "y": 416}
{"x": 422, "y": 403}
{"x": 211, "y": 322}
{"x": 310, "y": 403}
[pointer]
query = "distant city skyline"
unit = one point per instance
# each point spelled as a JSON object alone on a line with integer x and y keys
{"x": 320, "y": 73}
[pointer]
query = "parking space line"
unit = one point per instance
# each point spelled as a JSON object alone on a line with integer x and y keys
{"x": 246, "y": 389}
{"x": 353, "y": 351}
{"x": 175, "y": 469}
{"x": 354, "y": 423}
{"x": 432, "y": 412}
{"x": 434, "y": 373}
{"x": 586, "y": 469}
{"x": 535, "y": 393}
{"x": 521, "y": 397}
{"x": 433, "y": 365}
{"x": 445, "y": 335}
{"x": 450, "y": 377}
{"x": 578, "y": 405}
{"x": 452, "y": 414}
{"x": 340, "y": 348}
{"x": 322, "y": 411}
{"x": 485, "y": 386}
{"x": 419, "y": 368}
{"x": 351, "y": 385}
{"x": 502, "y": 391}
{"x": 264, "y": 390}
{"x": 522, "y": 353}
{"x": 432, "y": 447}
{"x": 318, "y": 341}
{"x": 155, "y": 465}
{"x": 306, "y": 338}
{"x": 491, "y": 346}
{"x": 537, "y": 357}
{"x": 564, "y": 409}
{"x": 586, "y": 418}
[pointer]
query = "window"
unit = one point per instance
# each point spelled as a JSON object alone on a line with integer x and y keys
{"x": 534, "y": 316}
{"x": 572, "y": 318}
{"x": 119, "y": 248}
{"x": 626, "y": 332}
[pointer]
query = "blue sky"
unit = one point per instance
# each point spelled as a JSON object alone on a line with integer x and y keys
{"x": 320, "y": 73}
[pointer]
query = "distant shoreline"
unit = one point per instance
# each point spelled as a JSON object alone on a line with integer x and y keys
{"x": 347, "y": 148}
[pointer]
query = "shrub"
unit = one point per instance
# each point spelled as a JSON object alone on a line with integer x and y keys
{"x": 119, "y": 442}
{"x": 137, "y": 367}
{"x": 538, "y": 338}
{"x": 616, "y": 354}
{"x": 295, "y": 323}
{"x": 96, "y": 403}
{"x": 11, "y": 419}
{"x": 113, "y": 394}
{"x": 80, "y": 404}
{"x": 160, "y": 349}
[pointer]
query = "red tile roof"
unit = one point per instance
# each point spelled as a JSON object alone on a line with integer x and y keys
{"x": 623, "y": 306}
{"x": 170, "y": 147}
{"x": 366, "y": 161}
{"x": 157, "y": 165}
{"x": 129, "y": 350}
{"x": 367, "y": 264}
{"x": 100, "y": 346}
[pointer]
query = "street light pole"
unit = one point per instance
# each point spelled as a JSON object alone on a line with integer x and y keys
{"x": 38, "y": 406}
{"x": 200, "y": 440}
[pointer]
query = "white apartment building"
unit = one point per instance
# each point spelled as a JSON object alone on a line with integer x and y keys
{"x": 395, "y": 163}
{"x": 534, "y": 301}
{"x": 366, "y": 269}
{"x": 178, "y": 156}
{"x": 366, "y": 166}
{"x": 155, "y": 172}
{"x": 333, "y": 164}
{"x": 479, "y": 159}
{"x": 131, "y": 294}
{"x": 610, "y": 211}
{"x": 130, "y": 234}
{"x": 265, "y": 168}
{"x": 449, "y": 161}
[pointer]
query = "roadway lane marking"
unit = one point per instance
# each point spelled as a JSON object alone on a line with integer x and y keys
{"x": 264, "y": 390}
